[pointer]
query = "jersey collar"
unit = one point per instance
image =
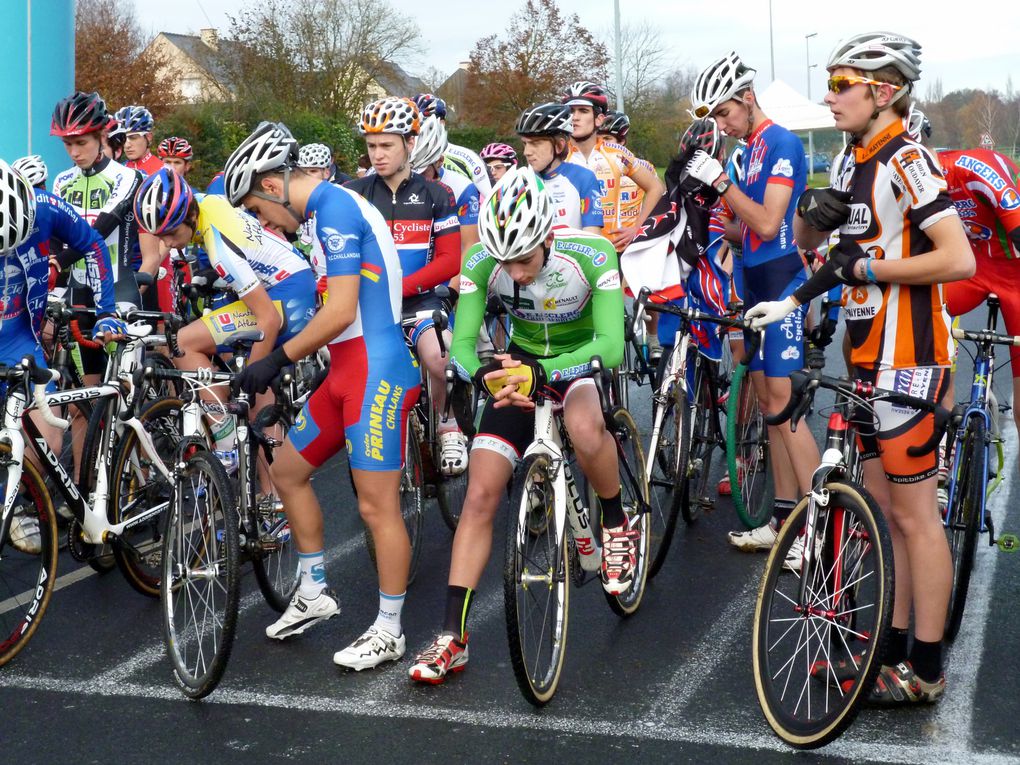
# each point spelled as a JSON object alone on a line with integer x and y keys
{"x": 102, "y": 163}
{"x": 864, "y": 153}
{"x": 758, "y": 131}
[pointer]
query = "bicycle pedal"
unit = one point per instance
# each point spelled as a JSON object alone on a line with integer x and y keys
{"x": 1008, "y": 543}
{"x": 706, "y": 503}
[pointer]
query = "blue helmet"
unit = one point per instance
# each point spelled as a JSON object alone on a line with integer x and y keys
{"x": 162, "y": 201}
{"x": 429, "y": 104}
{"x": 134, "y": 119}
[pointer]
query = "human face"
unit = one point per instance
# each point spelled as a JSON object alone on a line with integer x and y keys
{"x": 136, "y": 145}
{"x": 498, "y": 168}
{"x": 388, "y": 153}
{"x": 539, "y": 152}
{"x": 178, "y": 165}
{"x": 322, "y": 173}
{"x": 734, "y": 118}
{"x": 177, "y": 238}
{"x": 584, "y": 120}
{"x": 84, "y": 150}
{"x": 525, "y": 271}
{"x": 271, "y": 214}
{"x": 854, "y": 105}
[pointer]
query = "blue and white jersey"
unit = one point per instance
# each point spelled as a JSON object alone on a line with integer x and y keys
{"x": 474, "y": 165}
{"x": 464, "y": 192}
{"x": 576, "y": 195}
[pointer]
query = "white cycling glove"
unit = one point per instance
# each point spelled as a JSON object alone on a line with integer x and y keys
{"x": 704, "y": 167}
{"x": 770, "y": 312}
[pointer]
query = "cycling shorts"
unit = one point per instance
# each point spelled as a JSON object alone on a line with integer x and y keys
{"x": 17, "y": 341}
{"x": 900, "y": 427}
{"x": 363, "y": 404}
{"x": 295, "y": 303}
{"x": 509, "y": 430}
{"x": 415, "y": 326}
{"x": 783, "y": 346}
{"x": 992, "y": 276}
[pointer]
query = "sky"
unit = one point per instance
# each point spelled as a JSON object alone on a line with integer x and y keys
{"x": 963, "y": 53}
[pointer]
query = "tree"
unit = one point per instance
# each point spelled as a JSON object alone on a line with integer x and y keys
{"x": 107, "y": 58}
{"x": 646, "y": 61}
{"x": 433, "y": 78}
{"x": 540, "y": 53}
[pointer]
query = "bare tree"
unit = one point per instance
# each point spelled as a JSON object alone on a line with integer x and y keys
{"x": 646, "y": 61}
{"x": 934, "y": 92}
{"x": 433, "y": 78}
{"x": 988, "y": 110}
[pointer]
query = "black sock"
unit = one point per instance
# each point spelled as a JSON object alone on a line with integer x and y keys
{"x": 895, "y": 647}
{"x": 612, "y": 512}
{"x": 782, "y": 511}
{"x": 926, "y": 659}
{"x": 458, "y": 604}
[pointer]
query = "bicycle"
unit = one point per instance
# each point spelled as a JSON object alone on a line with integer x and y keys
{"x": 975, "y": 432}
{"x": 818, "y": 631}
{"x": 551, "y": 539}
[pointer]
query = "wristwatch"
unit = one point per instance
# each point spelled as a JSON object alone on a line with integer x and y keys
{"x": 722, "y": 185}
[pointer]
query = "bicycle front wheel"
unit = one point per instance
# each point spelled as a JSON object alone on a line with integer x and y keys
{"x": 964, "y": 509}
{"x": 814, "y": 654}
{"x": 28, "y": 558}
{"x": 200, "y": 575}
{"x": 704, "y": 437}
{"x": 747, "y": 451}
{"x": 536, "y": 591}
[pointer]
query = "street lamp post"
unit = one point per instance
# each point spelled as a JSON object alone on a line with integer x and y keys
{"x": 811, "y": 134}
{"x": 618, "y": 57}
{"x": 772, "y": 45}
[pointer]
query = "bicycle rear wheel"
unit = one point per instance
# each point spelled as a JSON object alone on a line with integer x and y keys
{"x": 964, "y": 509}
{"x": 536, "y": 590}
{"x": 704, "y": 437}
{"x": 747, "y": 451}
{"x": 27, "y": 576}
{"x": 450, "y": 493}
{"x": 200, "y": 574}
{"x": 814, "y": 659}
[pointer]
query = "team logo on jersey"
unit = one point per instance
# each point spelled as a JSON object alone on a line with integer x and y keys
{"x": 549, "y": 304}
{"x": 983, "y": 171}
{"x": 226, "y": 322}
{"x": 555, "y": 280}
{"x": 467, "y": 286}
{"x": 859, "y": 220}
{"x": 334, "y": 241}
{"x": 790, "y": 353}
{"x": 414, "y": 199}
{"x": 610, "y": 280}
{"x": 1009, "y": 200}
{"x": 783, "y": 167}
{"x": 599, "y": 259}
{"x": 977, "y": 231}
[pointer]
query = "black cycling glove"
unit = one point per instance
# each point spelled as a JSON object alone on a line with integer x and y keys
{"x": 824, "y": 209}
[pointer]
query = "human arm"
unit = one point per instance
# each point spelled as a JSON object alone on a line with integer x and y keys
{"x": 267, "y": 318}
{"x": 470, "y": 311}
{"x": 81, "y": 238}
{"x": 445, "y": 242}
{"x": 149, "y": 246}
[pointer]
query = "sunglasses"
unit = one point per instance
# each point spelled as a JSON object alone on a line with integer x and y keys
{"x": 499, "y": 165}
{"x": 701, "y": 112}
{"x": 840, "y": 83}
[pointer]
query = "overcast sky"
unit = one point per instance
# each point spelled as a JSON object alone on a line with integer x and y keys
{"x": 979, "y": 52}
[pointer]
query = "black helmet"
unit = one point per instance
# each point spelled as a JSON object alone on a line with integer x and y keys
{"x": 545, "y": 120}
{"x": 616, "y": 124}
{"x": 79, "y": 114}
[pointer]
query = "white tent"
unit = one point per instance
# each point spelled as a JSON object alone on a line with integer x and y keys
{"x": 786, "y": 107}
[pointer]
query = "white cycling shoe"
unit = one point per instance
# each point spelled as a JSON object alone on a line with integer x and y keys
{"x": 371, "y": 649}
{"x": 303, "y": 613}
{"x": 453, "y": 449}
{"x": 25, "y": 533}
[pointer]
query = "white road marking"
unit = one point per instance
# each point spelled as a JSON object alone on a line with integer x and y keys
{"x": 84, "y": 572}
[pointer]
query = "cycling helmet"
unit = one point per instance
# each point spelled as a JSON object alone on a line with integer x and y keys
{"x": 33, "y": 168}
{"x": 269, "y": 147}
{"x": 79, "y": 114}
{"x": 548, "y": 120}
{"x": 390, "y": 115}
{"x": 616, "y": 124}
{"x": 500, "y": 151}
{"x": 722, "y": 80}
{"x": 876, "y": 50}
{"x": 517, "y": 217}
{"x": 702, "y": 134}
{"x": 584, "y": 93}
{"x": 429, "y": 104}
{"x": 17, "y": 208}
{"x": 430, "y": 146}
{"x": 917, "y": 124}
{"x": 134, "y": 119}
{"x": 175, "y": 147}
{"x": 162, "y": 201}
{"x": 316, "y": 155}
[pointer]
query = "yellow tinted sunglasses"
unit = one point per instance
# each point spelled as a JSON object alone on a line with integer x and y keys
{"x": 839, "y": 83}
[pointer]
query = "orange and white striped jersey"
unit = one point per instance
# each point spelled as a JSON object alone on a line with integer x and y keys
{"x": 898, "y": 191}
{"x": 611, "y": 163}
{"x": 632, "y": 197}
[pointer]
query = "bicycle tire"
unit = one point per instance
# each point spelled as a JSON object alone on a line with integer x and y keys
{"x": 136, "y": 486}
{"x": 156, "y": 390}
{"x": 26, "y": 579}
{"x": 101, "y": 558}
{"x": 535, "y": 614}
{"x": 747, "y": 453}
{"x": 804, "y": 700}
{"x": 450, "y": 494}
{"x": 277, "y": 571}
{"x": 201, "y": 572}
{"x": 634, "y": 498}
{"x": 964, "y": 511}
{"x": 702, "y": 448}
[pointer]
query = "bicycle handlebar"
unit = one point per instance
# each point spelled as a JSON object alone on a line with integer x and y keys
{"x": 985, "y": 337}
{"x": 39, "y": 378}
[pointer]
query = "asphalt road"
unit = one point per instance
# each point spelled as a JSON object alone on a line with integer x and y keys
{"x": 671, "y": 684}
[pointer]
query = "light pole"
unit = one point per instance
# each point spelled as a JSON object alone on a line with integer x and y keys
{"x": 618, "y": 57}
{"x": 810, "y": 135}
{"x": 772, "y": 45}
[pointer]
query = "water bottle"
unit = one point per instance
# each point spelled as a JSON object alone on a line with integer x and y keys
{"x": 588, "y": 550}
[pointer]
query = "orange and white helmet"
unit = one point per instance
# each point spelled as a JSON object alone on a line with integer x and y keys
{"x": 394, "y": 115}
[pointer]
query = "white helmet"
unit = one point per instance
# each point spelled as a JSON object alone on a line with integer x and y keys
{"x": 315, "y": 155}
{"x": 876, "y": 50}
{"x": 917, "y": 125}
{"x": 430, "y": 146}
{"x": 33, "y": 168}
{"x": 722, "y": 80}
{"x": 517, "y": 217}
{"x": 17, "y": 208}
{"x": 269, "y": 147}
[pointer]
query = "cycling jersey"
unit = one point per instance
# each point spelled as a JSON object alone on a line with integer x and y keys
{"x": 898, "y": 191}
{"x": 575, "y": 194}
{"x": 216, "y": 185}
{"x": 611, "y": 163}
{"x": 244, "y": 254}
{"x": 985, "y": 189}
{"x": 773, "y": 155}
{"x": 147, "y": 165}
{"x": 571, "y": 312}
{"x": 632, "y": 197}
{"x": 465, "y": 193}
{"x": 422, "y": 220}
{"x": 476, "y": 170}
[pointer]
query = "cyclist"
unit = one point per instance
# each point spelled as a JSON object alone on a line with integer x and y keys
{"x": 457, "y": 157}
{"x": 274, "y": 285}
{"x": 899, "y": 238}
{"x": 317, "y": 160}
{"x": 614, "y": 129}
{"x": 765, "y": 201}
{"x": 616, "y": 126}
{"x": 498, "y": 158}
{"x": 137, "y": 124}
{"x": 545, "y": 130}
{"x": 561, "y": 288}
{"x": 176, "y": 153}
{"x": 31, "y": 218}
{"x": 33, "y": 169}
{"x": 364, "y": 401}
{"x": 610, "y": 162}
{"x": 422, "y": 218}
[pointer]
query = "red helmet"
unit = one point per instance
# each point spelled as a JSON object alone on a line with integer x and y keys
{"x": 584, "y": 93}
{"x": 79, "y": 114}
{"x": 175, "y": 147}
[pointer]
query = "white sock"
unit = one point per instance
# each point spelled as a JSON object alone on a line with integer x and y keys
{"x": 313, "y": 574}
{"x": 388, "y": 617}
